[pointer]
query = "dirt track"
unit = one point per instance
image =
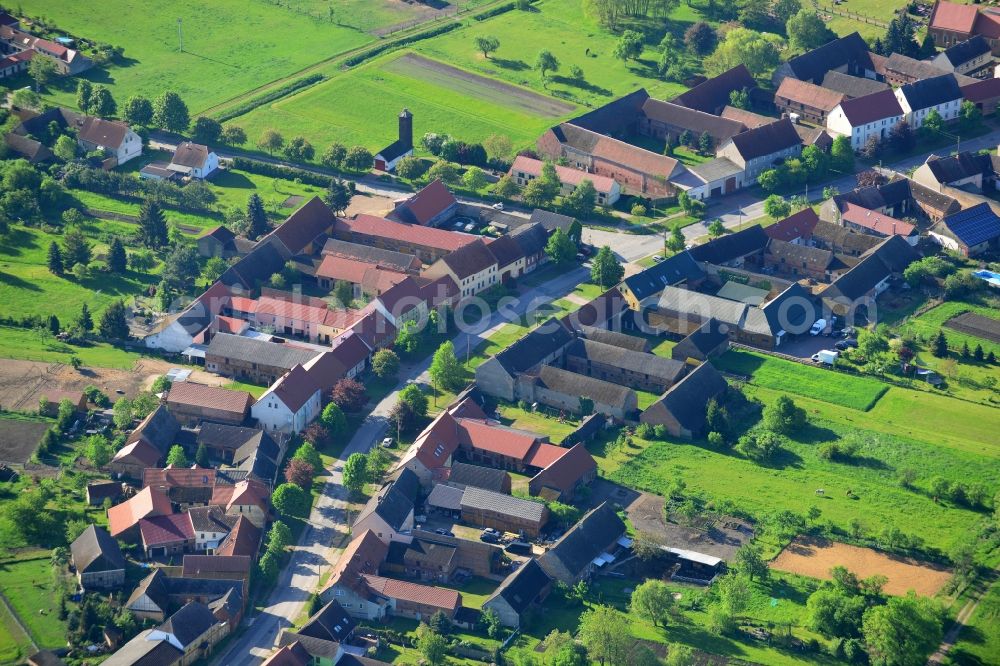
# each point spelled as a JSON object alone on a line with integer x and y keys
{"x": 815, "y": 558}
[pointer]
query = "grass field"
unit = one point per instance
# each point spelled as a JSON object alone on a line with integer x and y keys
{"x": 15, "y": 645}
{"x": 335, "y": 110}
{"x": 27, "y": 585}
{"x": 230, "y": 46}
{"x": 859, "y": 393}
{"x": 927, "y": 324}
{"x": 28, "y": 345}
{"x": 979, "y": 642}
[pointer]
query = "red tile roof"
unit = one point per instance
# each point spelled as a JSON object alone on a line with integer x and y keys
{"x": 295, "y": 388}
{"x": 486, "y": 436}
{"x": 139, "y": 452}
{"x": 981, "y": 91}
{"x": 868, "y": 109}
{"x": 566, "y": 175}
{"x": 342, "y": 268}
{"x": 402, "y": 590}
{"x": 178, "y": 477}
{"x": 379, "y": 227}
{"x": 144, "y": 504}
{"x": 953, "y": 16}
{"x": 363, "y": 555}
{"x": 808, "y": 94}
{"x": 249, "y": 493}
{"x": 879, "y": 222}
{"x": 799, "y": 225}
{"x": 429, "y": 202}
{"x": 232, "y": 325}
{"x": 243, "y": 539}
{"x": 567, "y": 470}
{"x": 543, "y": 455}
{"x": 161, "y": 530}
{"x": 190, "y": 394}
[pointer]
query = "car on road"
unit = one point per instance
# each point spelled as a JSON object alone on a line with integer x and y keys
{"x": 443, "y": 532}
{"x": 658, "y": 258}
{"x": 844, "y": 345}
{"x": 818, "y": 327}
{"x": 497, "y": 206}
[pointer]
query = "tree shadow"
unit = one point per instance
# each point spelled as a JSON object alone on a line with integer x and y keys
{"x": 234, "y": 180}
{"x": 814, "y": 434}
{"x": 16, "y": 241}
{"x": 514, "y": 65}
{"x": 17, "y": 283}
{"x": 582, "y": 84}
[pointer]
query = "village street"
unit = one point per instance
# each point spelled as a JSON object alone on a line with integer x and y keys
{"x": 317, "y": 547}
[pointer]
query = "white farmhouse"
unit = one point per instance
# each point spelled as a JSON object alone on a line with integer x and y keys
{"x": 194, "y": 160}
{"x": 290, "y": 404}
{"x": 919, "y": 98}
{"x": 864, "y": 117}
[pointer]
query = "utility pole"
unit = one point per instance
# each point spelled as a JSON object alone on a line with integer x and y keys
{"x": 180, "y": 36}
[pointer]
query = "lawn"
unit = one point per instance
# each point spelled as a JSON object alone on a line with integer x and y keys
{"x": 573, "y": 37}
{"x": 979, "y": 642}
{"x": 331, "y": 110}
{"x": 253, "y": 389}
{"x": 230, "y": 46}
{"x": 540, "y": 422}
{"x": 27, "y": 585}
{"x": 29, "y": 345}
{"x": 859, "y": 393}
{"x": 15, "y": 645}
{"x": 927, "y": 324}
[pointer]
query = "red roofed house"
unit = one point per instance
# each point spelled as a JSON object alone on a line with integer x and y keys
{"x": 861, "y": 118}
{"x": 872, "y": 222}
{"x": 123, "y": 519}
{"x": 146, "y": 445}
{"x": 433, "y": 448}
{"x": 249, "y": 499}
{"x": 192, "y": 403}
{"x": 984, "y": 94}
{"x": 560, "y": 478}
{"x": 412, "y": 600}
{"x": 952, "y": 23}
{"x": 429, "y": 207}
{"x": 526, "y": 169}
{"x": 363, "y": 555}
{"x": 796, "y": 228}
{"x": 806, "y": 99}
{"x": 365, "y": 278}
{"x": 427, "y": 243}
{"x": 163, "y": 536}
{"x": 290, "y": 404}
{"x": 109, "y": 135}
{"x": 473, "y": 268}
{"x": 194, "y": 160}
{"x": 243, "y": 539}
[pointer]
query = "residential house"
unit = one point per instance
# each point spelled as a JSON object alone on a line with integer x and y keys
{"x": 707, "y": 341}
{"x": 510, "y": 258}
{"x": 862, "y": 118}
{"x": 217, "y": 567}
{"x": 426, "y": 243}
{"x": 952, "y": 23}
{"x": 806, "y": 100}
{"x": 117, "y": 138}
{"x": 123, "y": 519}
{"x": 973, "y": 57}
{"x": 141, "y": 650}
{"x": 249, "y": 498}
{"x": 411, "y": 600}
{"x": 732, "y": 250}
{"x": 387, "y": 158}
{"x": 223, "y": 442}
{"x": 965, "y": 170}
{"x": 389, "y": 512}
{"x": 210, "y": 525}
{"x": 971, "y": 231}
{"x": 291, "y": 314}
{"x": 176, "y": 333}
{"x": 522, "y": 590}
{"x": 436, "y": 557}
{"x": 681, "y": 268}
{"x": 531, "y": 240}
{"x": 525, "y": 169}
{"x": 852, "y": 292}
{"x": 293, "y": 654}
{"x": 192, "y": 403}
{"x": 331, "y": 623}
{"x": 194, "y": 630}
{"x": 561, "y": 389}
{"x": 848, "y": 54}
{"x": 586, "y": 547}
{"x": 485, "y": 508}
{"x": 940, "y": 94}
{"x": 290, "y": 404}
{"x": 150, "y": 599}
{"x": 97, "y": 560}
{"x": 795, "y": 261}
{"x": 365, "y": 279}
{"x": 244, "y": 539}
{"x": 871, "y": 222}
{"x": 166, "y": 536}
{"x": 430, "y": 207}
{"x": 252, "y": 359}
{"x": 681, "y": 410}
{"x": 761, "y": 148}
{"x": 184, "y": 486}
{"x": 498, "y": 375}
{"x": 194, "y": 160}
{"x": 796, "y": 228}
{"x": 561, "y": 478}
{"x": 16, "y": 42}
{"x": 713, "y": 95}
{"x": 363, "y": 555}
{"x": 147, "y": 445}
{"x": 473, "y": 267}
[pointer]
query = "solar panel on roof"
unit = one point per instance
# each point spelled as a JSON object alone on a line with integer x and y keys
{"x": 975, "y": 225}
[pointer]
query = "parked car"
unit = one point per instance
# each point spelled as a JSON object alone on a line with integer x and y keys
{"x": 443, "y": 532}
{"x": 848, "y": 332}
{"x": 387, "y": 442}
{"x": 518, "y": 548}
{"x": 818, "y": 327}
{"x": 844, "y": 345}
{"x": 497, "y": 206}
{"x": 658, "y": 258}
{"x": 489, "y": 537}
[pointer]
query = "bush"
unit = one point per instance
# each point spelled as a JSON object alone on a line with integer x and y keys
{"x": 716, "y": 439}
{"x": 660, "y": 431}
{"x": 268, "y": 97}
{"x": 645, "y": 431}
{"x": 638, "y": 210}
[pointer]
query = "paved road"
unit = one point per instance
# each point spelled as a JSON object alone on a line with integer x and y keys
{"x": 327, "y": 522}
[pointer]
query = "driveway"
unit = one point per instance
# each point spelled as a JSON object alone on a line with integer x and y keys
{"x": 327, "y": 527}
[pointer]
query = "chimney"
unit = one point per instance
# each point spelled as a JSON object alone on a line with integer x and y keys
{"x": 406, "y": 128}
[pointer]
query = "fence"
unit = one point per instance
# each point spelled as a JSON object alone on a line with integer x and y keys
{"x": 855, "y": 16}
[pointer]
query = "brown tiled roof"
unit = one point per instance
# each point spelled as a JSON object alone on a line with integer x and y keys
{"x": 243, "y": 539}
{"x": 613, "y": 150}
{"x": 107, "y": 133}
{"x": 378, "y": 227}
{"x": 698, "y": 122}
{"x": 885, "y": 225}
{"x": 797, "y": 225}
{"x": 566, "y": 471}
{"x": 428, "y": 203}
{"x": 144, "y": 504}
{"x": 304, "y": 225}
{"x": 767, "y": 139}
{"x": 953, "y": 16}
{"x": 196, "y": 566}
{"x": 363, "y": 555}
{"x": 437, "y": 597}
{"x": 470, "y": 259}
{"x": 714, "y": 93}
{"x": 808, "y": 94}
{"x": 374, "y": 256}
{"x": 178, "y": 477}
{"x": 747, "y": 118}
{"x": 867, "y": 109}
{"x": 489, "y": 436}
{"x": 295, "y": 388}
{"x": 191, "y": 155}
{"x": 211, "y": 397}
{"x": 166, "y": 529}
{"x": 982, "y": 91}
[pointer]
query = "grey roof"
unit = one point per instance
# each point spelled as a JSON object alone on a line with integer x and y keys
{"x": 697, "y": 122}
{"x": 444, "y": 496}
{"x": 731, "y": 246}
{"x": 799, "y": 256}
{"x": 614, "y": 116}
{"x": 394, "y": 501}
{"x": 487, "y": 500}
{"x": 531, "y": 238}
{"x": 897, "y": 254}
{"x": 678, "y": 268}
{"x": 965, "y": 51}
{"x": 95, "y": 550}
{"x": 843, "y": 238}
{"x": 931, "y": 92}
{"x": 153, "y": 586}
{"x": 143, "y": 652}
{"x": 913, "y": 68}
{"x": 250, "y": 350}
{"x": 159, "y": 428}
{"x": 331, "y": 623}
{"x": 487, "y": 478}
{"x": 189, "y": 623}
{"x": 793, "y": 307}
{"x": 590, "y": 537}
{"x": 767, "y": 139}
{"x": 703, "y": 306}
{"x": 717, "y": 169}
{"x": 531, "y": 349}
{"x": 598, "y": 390}
{"x": 551, "y": 221}
{"x": 210, "y": 519}
{"x": 858, "y": 281}
{"x": 191, "y": 155}
{"x": 952, "y": 168}
{"x": 255, "y": 268}
{"x": 316, "y": 647}
{"x": 852, "y": 86}
{"x": 506, "y": 250}
{"x": 687, "y": 399}
{"x": 623, "y": 340}
{"x": 619, "y": 357}
{"x": 703, "y": 340}
{"x": 398, "y": 261}
{"x": 847, "y": 50}
{"x": 470, "y": 259}
{"x": 713, "y": 94}
{"x": 521, "y": 588}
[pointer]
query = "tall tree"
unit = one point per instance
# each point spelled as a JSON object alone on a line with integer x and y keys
{"x": 700, "y": 38}
{"x": 117, "y": 259}
{"x": 55, "y": 259}
{"x": 102, "y": 103}
{"x": 76, "y": 249}
{"x": 652, "y": 600}
{"x": 487, "y": 44}
{"x": 605, "y": 633}
{"x": 152, "y": 225}
{"x": 760, "y": 52}
{"x": 560, "y": 248}
{"x": 629, "y": 46}
{"x": 338, "y": 196}
{"x": 445, "y": 370}
{"x": 180, "y": 268}
{"x": 904, "y": 631}
{"x": 114, "y": 322}
{"x": 42, "y": 70}
{"x": 270, "y": 140}
{"x": 580, "y": 202}
{"x": 256, "y": 219}
{"x": 355, "y": 474}
{"x": 138, "y": 110}
{"x": 83, "y": 91}
{"x": 606, "y": 269}
{"x": 170, "y": 112}
{"x": 358, "y": 158}
{"x": 84, "y": 320}
{"x": 206, "y": 130}
{"x": 233, "y": 135}
{"x": 546, "y": 62}
{"x": 807, "y": 31}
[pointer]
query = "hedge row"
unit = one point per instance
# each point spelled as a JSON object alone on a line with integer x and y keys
{"x": 254, "y": 102}
{"x": 382, "y": 48}
{"x": 496, "y": 11}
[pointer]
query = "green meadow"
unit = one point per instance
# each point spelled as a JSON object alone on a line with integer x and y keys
{"x": 230, "y": 46}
